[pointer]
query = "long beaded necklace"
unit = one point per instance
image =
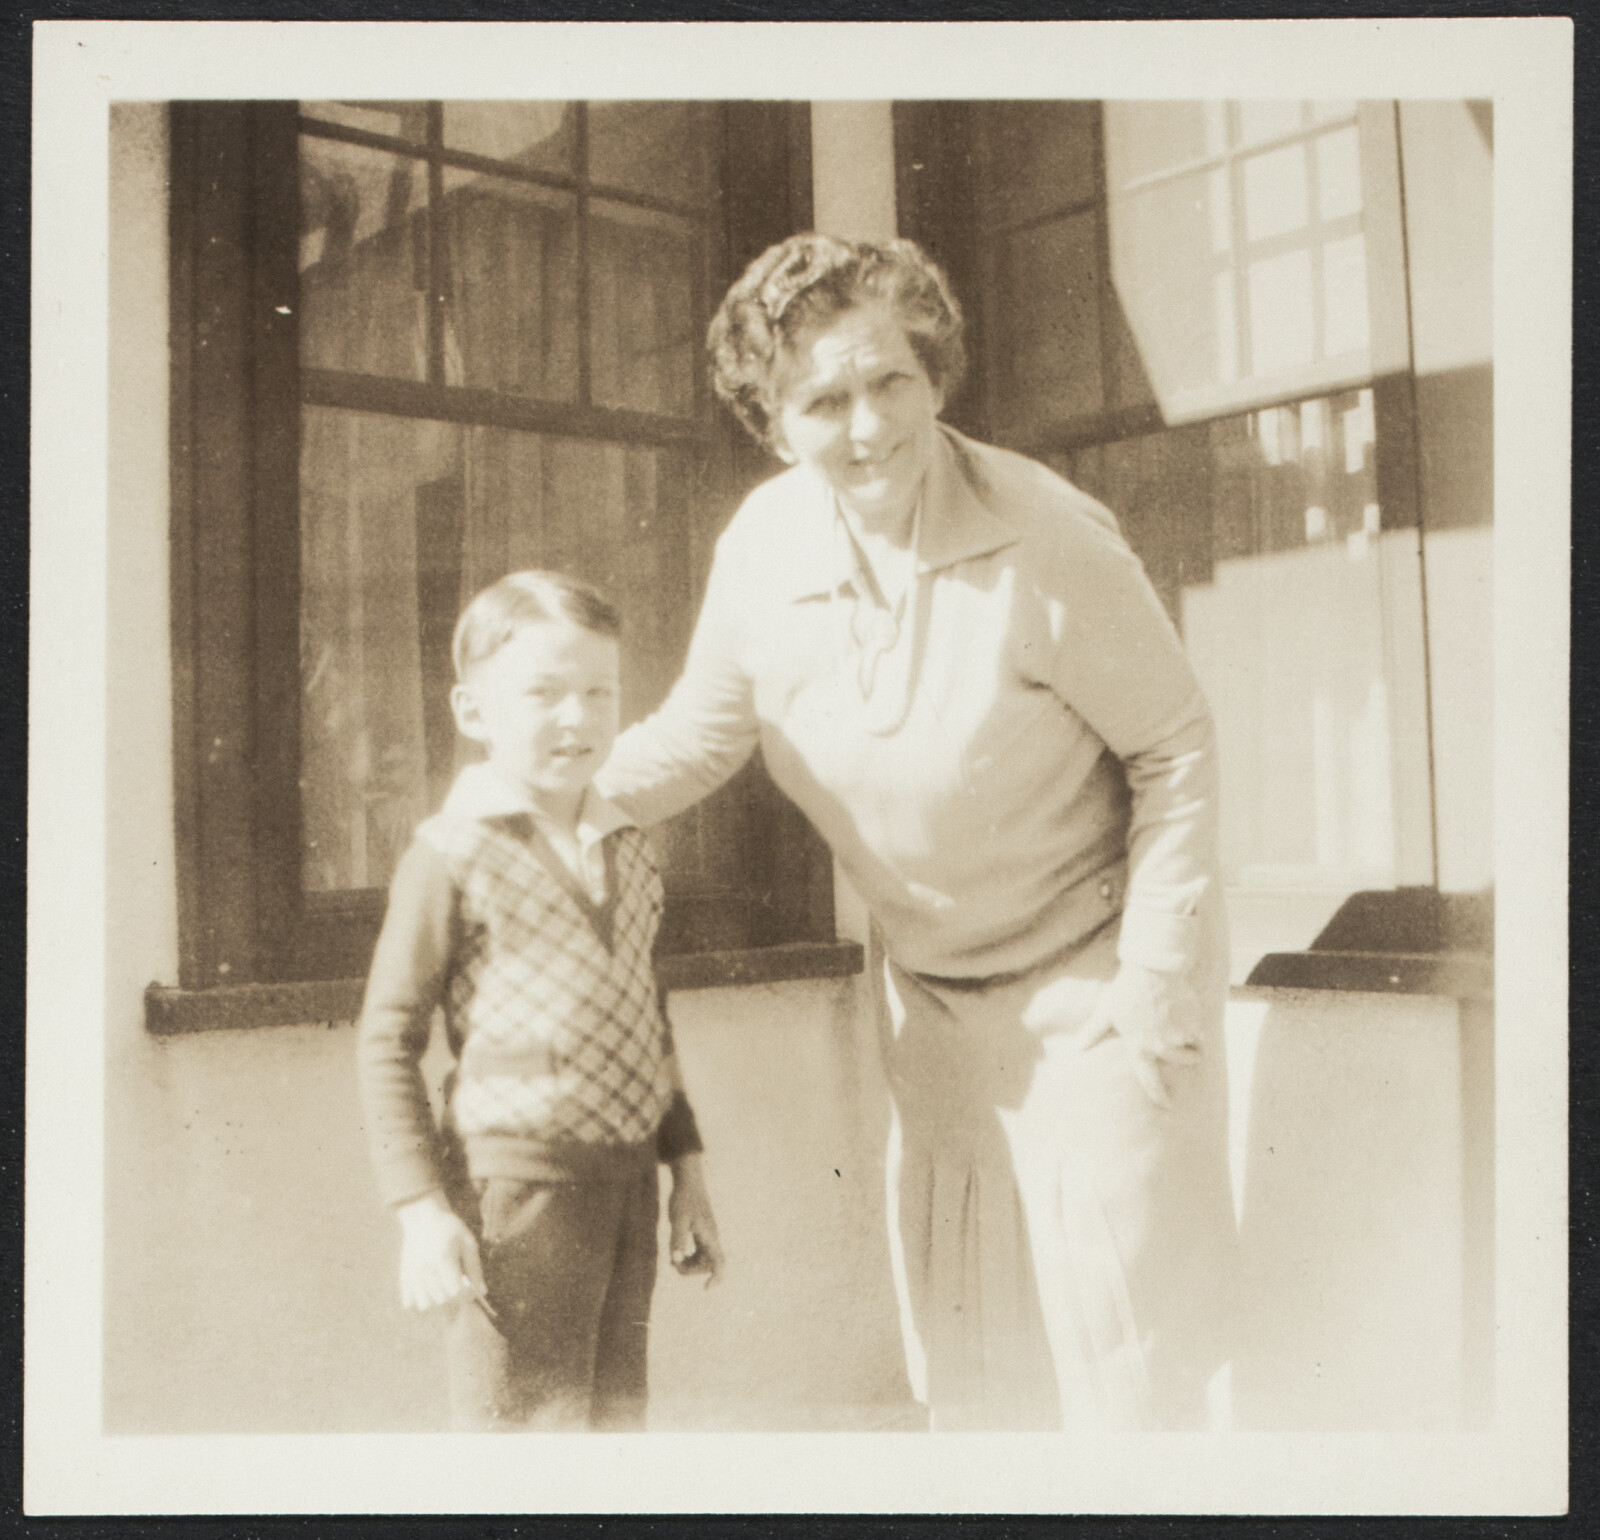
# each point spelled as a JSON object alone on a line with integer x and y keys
{"x": 875, "y": 628}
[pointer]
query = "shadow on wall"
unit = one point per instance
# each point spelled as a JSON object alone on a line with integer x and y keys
{"x": 1349, "y": 1181}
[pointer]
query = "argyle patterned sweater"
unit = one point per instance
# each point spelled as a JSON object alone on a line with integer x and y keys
{"x": 550, "y": 1011}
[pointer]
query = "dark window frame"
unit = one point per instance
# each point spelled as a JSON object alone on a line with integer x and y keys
{"x": 246, "y": 929}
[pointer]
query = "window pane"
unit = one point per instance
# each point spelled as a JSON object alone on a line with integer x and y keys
{"x": 402, "y": 120}
{"x": 403, "y": 521}
{"x": 365, "y": 726}
{"x": 511, "y": 287}
{"x": 363, "y": 260}
{"x": 1250, "y": 280}
{"x": 1278, "y": 586}
{"x": 644, "y": 339}
{"x": 1182, "y": 315}
{"x": 662, "y": 148}
{"x": 1145, "y": 138}
{"x": 1332, "y": 111}
{"x": 1275, "y": 200}
{"x": 1259, "y": 120}
{"x": 1282, "y": 322}
{"x": 1049, "y": 344}
{"x": 1339, "y": 173}
{"x": 538, "y": 135}
{"x": 1040, "y": 156}
{"x": 1289, "y": 640}
{"x": 1344, "y": 286}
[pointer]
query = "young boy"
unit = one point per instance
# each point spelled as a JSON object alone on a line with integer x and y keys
{"x": 527, "y": 909}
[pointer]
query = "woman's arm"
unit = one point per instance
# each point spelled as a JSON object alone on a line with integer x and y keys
{"x": 705, "y": 729}
{"x": 1118, "y": 663}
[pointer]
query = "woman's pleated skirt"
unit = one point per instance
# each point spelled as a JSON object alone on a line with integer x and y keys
{"x": 1062, "y": 1246}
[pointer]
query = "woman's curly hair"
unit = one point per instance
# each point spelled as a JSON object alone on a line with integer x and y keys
{"x": 807, "y": 280}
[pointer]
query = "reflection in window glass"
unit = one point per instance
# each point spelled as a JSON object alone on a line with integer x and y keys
{"x": 1168, "y": 135}
{"x": 363, "y": 259}
{"x": 1344, "y": 284}
{"x": 402, "y": 120}
{"x": 1266, "y": 292}
{"x": 1278, "y": 593}
{"x": 363, "y": 774}
{"x": 511, "y": 287}
{"x": 1049, "y": 347}
{"x": 660, "y": 148}
{"x": 1039, "y": 156}
{"x": 1219, "y": 205}
{"x": 1275, "y": 193}
{"x": 403, "y": 518}
{"x": 1332, "y": 111}
{"x": 401, "y": 522}
{"x": 538, "y": 135}
{"x": 1339, "y": 174}
{"x": 1282, "y": 322}
{"x": 641, "y": 308}
{"x": 1227, "y": 328}
{"x": 1259, "y": 120}
{"x": 1189, "y": 307}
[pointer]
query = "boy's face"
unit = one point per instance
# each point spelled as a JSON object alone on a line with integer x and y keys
{"x": 546, "y": 706}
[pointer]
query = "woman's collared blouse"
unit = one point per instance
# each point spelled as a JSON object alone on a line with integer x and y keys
{"x": 1033, "y": 755}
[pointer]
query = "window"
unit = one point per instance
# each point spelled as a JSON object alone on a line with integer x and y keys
{"x": 1243, "y": 236}
{"x": 417, "y": 345}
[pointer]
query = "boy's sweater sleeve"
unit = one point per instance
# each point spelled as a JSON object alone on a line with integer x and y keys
{"x": 409, "y": 970}
{"x": 677, "y": 1134}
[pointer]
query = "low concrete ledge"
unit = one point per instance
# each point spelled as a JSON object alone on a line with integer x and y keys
{"x": 1465, "y": 975}
{"x": 1395, "y": 941}
{"x": 169, "y": 1012}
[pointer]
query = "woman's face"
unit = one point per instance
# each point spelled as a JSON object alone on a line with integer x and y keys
{"x": 853, "y": 402}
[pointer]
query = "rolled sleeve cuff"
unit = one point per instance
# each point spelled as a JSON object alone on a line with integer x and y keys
{"x": 1152, "y": 938}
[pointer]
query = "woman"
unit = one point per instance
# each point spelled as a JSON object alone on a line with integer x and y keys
{"x": 958, "y": 670}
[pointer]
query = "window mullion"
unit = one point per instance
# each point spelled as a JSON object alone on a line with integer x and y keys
{"x": 1243, "y": 332}
{"x": 581, "y": 156}
{"x": 436, "y": 245}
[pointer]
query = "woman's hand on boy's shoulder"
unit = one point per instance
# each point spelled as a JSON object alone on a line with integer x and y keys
{"x": 438, "y": 1254}
{"x": 695, "y": 1247}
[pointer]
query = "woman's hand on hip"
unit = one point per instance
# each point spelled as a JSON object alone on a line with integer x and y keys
{"x": 1158, "y": 1016}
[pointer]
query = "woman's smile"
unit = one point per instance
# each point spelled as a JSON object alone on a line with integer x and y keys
{"x": 855, "y": 406}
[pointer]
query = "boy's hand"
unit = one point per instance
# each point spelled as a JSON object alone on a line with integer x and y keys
{"x": 438, "y": 1254}
{"x": 695, "y": 1247}
{"x": 1158, "y": 1016}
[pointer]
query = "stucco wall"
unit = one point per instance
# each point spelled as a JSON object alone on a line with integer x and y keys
{"x": 1351, "y": 1191}
{"x": 251, "y": 1279}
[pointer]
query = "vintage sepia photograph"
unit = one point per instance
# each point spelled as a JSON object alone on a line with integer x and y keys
{"x": 811, "y": 762}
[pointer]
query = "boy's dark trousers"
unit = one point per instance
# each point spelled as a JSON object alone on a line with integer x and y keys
{"x": 570, "y": 1268}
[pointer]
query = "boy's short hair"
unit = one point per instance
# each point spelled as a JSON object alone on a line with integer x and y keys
{"x": 525, "y": 598}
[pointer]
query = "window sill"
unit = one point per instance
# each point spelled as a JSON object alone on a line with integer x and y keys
{"x": 169, "y": 1012}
